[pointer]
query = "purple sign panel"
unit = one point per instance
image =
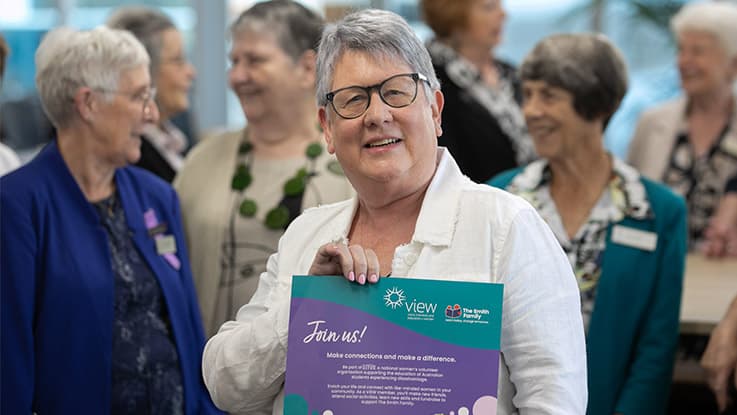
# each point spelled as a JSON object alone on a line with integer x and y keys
{"x": 404, "y": 346}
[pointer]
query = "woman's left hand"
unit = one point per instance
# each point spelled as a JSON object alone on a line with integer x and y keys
{"x": 721, "y": 235}
{"x": 354, "y": 262}
{"x": 720, "y": 359}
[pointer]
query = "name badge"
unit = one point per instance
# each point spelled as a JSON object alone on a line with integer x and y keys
{"x": 166, "y": 245}
{"x": 647, "y": 241}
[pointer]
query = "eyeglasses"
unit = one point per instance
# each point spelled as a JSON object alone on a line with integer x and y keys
{"x": 397, "y": 91}
{"x": 145, "y": 97}
{"x": 178, "y": 60}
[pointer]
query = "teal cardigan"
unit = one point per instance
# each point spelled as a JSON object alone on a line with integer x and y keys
{"x": 633, "y": 332}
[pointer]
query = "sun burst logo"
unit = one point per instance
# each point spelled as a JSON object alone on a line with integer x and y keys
{"x": 394, "y": 297}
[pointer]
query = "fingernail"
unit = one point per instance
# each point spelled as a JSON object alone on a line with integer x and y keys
{"x": 351, "y": 276}
{"x": 373, "y": 278}
{"x": 362, "y": 278}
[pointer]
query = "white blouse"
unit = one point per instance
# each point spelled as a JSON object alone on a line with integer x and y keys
{"x": 465, "y": 232}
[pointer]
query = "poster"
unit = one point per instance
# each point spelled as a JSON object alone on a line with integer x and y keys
{"x": 400, "y": 346}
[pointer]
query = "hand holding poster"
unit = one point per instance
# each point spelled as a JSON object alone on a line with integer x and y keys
{"x": 400, "y": 346}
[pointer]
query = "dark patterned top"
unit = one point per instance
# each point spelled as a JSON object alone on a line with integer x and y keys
{"x": 146, "y": 376}
{"x": 731, "y": 186}
{"x": 700, "y": 180}
{"x": 624, "y": 196}
{"x": 483, "y": 126}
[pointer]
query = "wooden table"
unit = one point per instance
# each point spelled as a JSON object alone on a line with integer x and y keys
{"x": 709, "y": 287}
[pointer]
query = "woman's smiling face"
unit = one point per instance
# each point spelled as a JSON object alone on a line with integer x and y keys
{"x": 385, "y": 144}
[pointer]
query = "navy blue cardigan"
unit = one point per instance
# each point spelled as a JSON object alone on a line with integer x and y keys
{"x": 57, "y": 289}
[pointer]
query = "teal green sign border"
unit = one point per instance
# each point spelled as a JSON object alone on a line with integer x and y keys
{"x": 413, "y": 312}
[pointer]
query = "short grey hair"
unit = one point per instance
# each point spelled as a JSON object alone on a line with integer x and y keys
{"x": 378, "y": 33}
{"x": 147, "y": 25}
{"x": 297, "y": 29}
{"x": 588, "y": 66}
{"x": 67, "y": 60}
{"x": 716, "y": 18}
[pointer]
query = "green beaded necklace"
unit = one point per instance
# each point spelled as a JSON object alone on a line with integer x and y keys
{"x": 278, "y": 216}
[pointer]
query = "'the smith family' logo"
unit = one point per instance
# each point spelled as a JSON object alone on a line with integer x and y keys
{"x": 453, "y": 311}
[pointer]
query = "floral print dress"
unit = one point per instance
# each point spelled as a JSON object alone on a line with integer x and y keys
{"x": 624, "y": 196}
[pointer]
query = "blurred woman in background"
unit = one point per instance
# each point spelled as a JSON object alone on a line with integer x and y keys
{"x": 690, "y": 144}
{"x": 625, "y": 235}
{"x": 241, "y": 189}
{"x": 98, "y": 308}
{"x": 162, "y": 144}
{"x": 8, "y": 159}
{"x": 483, "y": 127}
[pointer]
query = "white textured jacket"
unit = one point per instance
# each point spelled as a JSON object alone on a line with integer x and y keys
{"x": 465, "y": 232}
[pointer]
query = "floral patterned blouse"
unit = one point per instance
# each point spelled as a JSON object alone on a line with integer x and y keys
{"x": 624, "y": 196}
{"x": 146, "y": 376}
{"x": 700, "y": 180}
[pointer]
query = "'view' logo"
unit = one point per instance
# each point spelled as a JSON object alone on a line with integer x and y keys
{"x": 396, "y": 298}
{"x": 419, "y": 307}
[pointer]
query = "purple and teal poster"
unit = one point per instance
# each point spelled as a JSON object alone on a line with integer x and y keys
{"x": 398, "y": 347}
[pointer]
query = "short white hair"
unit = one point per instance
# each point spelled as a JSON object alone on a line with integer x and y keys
{"x": 67, "y": 60}
{"x": 716, "y": 18}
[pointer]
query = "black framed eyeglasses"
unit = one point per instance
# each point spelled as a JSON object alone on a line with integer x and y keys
{"x": 397, "y": 91}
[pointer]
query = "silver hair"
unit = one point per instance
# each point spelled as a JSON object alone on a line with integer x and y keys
{"x": 147, "y": 25}
{"x": 716, "y": 18}
{"x": 296, "y": 28}
{"x": 588, "y": 66}
{"x": 68, "y": 59}
{"x": 378, "y": 33}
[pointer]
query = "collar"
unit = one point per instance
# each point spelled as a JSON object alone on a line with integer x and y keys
{"x": 61, "y": 178}
{"x": 626, "y": 190}
{"x": 167, "y": 137}
{"x": 728, "y": 142}
{"x": 438, "y": 216}
{"x": 169, "y": 141}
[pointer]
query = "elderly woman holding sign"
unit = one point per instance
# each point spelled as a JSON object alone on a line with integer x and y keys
{"x": 415, "y": 216}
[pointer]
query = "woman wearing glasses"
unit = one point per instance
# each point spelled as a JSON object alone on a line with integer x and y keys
{"x": 162, "y": 143}
{"x": 98, "y": 309}
{"x": 415, "y": 216}
{"x": 241, "y": 189}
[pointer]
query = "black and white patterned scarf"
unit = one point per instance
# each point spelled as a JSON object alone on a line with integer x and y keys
{"x": 499, "y": 100}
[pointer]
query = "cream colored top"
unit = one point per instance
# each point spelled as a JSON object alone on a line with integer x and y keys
{"x": 204, "y": 187}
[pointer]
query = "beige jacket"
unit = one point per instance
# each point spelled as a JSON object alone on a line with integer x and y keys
{"x": 204, "y": 188}
{"x": 656, "y": 133}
